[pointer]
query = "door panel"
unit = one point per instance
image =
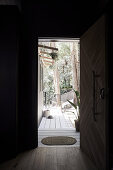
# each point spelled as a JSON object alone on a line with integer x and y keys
{"x": 93, "y": 82}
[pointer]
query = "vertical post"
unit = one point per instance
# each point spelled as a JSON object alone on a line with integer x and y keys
{"x": 45, "y": 98}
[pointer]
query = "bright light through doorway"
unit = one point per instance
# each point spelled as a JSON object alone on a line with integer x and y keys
{"x": 59, "y": 88}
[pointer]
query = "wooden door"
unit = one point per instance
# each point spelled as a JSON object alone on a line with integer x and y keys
{"x": 93, "y": 89}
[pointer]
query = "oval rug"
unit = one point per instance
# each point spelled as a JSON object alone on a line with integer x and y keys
{"x": 59, "y": 140}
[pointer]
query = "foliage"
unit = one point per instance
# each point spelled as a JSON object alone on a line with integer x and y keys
{"x": 65, "y": 67}
{"x": 54, "y": 55}
{"x": 48, "y": 84}
{"x": 78, "y": 97}
{"x": 78, "y": 101}
{"x": 63, "y": 61}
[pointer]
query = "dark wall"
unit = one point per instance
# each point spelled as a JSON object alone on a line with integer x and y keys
{"x": 64, "y": 19}
{"x": 8, "y": 80}
{"x": 93, "y": 58}
{"x": 27, "y": 118}
{"x": 110, "y": 91}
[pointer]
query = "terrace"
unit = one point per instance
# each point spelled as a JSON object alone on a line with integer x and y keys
{"x": 62, "y": 124}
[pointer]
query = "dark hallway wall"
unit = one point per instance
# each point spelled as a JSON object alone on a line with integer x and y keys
{"x": 27, "y": 117}
{"x": 8, "y": 80}
{"x": 110, "y": 78}
{"x": 93, "y": 58}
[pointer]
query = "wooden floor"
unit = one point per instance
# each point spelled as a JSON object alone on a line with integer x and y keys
{"x": 45, "y": 158}
{"x": 60, "y": 125}
{"x": 58, "y": 122}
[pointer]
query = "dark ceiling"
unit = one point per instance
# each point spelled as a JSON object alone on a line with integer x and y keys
{"x": 63, "y": 19}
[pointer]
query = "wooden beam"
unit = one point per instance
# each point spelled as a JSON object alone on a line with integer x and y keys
{"x": 46, "y": 57}
{"x": 44, "y": 46}
{"x": 48, "y": 61}
{"x": 47, "y": 64}
{"x": 44, "y": 52}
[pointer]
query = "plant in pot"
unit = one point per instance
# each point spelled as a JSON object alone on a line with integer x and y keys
{"x": 77, "y": 107}
{"x": 54, "y": 55}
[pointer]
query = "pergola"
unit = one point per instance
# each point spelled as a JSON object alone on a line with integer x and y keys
{"x": 44, "y": 52}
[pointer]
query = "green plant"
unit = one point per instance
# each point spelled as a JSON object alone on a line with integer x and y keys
{"x": 77, "y": 105}
{"x": 53, "y": 55}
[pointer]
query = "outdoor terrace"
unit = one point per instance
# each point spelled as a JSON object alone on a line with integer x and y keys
{"x": 62, "y": 124}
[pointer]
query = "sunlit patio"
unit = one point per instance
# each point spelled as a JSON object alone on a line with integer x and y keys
{"x": 62, "y": 124}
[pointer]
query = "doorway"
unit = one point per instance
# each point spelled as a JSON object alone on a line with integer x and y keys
{"x": 58, "y": 88}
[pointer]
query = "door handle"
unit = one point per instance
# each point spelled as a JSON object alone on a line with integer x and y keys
{"x": 94, "y": 76}
{"x": 102, "y": 93}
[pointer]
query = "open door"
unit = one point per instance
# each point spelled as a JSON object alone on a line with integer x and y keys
{"x": 93, "y": 91}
